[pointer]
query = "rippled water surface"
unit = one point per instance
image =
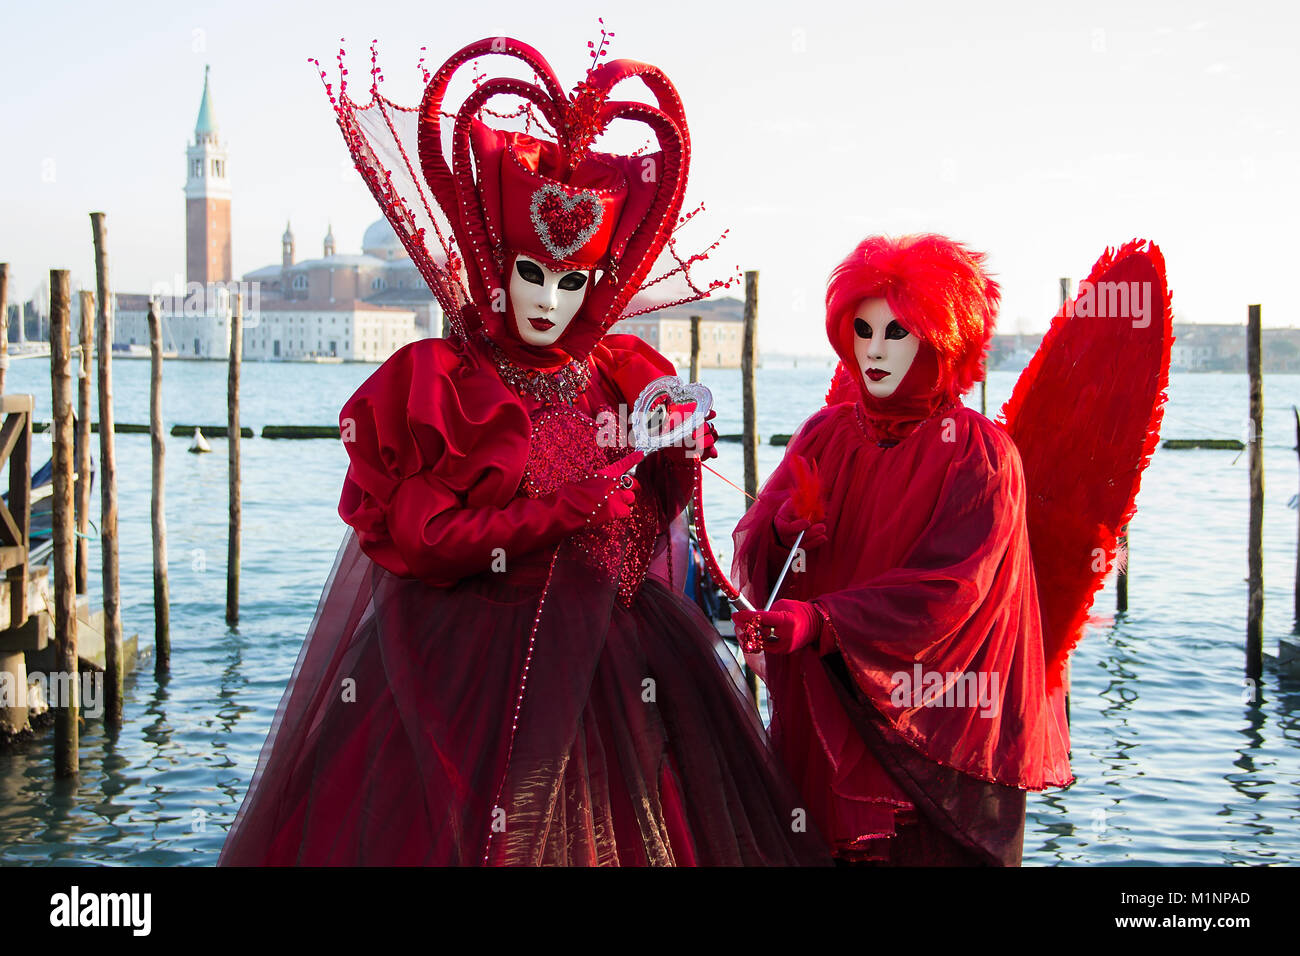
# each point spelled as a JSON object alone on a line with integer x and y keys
{"x": 1175, "y": 762}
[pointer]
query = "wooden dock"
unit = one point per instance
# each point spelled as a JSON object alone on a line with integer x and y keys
{"x": 27, "y": 645}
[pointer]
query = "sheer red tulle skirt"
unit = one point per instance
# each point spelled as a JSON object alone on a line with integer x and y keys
{"x": 518, "y": 718}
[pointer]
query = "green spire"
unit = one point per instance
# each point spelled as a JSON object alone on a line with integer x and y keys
{"x": 206, "y": 124}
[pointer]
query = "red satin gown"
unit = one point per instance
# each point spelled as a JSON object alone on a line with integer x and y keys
{"x": 461, "y": 703}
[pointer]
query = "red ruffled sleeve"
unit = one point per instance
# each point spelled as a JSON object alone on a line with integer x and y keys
{"x": 429, "y": 431}
{"x": 631, "y": 364}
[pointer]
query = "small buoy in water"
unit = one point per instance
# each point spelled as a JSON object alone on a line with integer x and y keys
{"x": 36, "y": 702}
{"x": 200, "y": 444}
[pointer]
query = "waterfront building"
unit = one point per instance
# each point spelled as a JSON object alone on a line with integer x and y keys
{"x": 669, "y": 330}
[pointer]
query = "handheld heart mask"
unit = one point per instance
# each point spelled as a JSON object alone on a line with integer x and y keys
{"x": 667, "y": 412}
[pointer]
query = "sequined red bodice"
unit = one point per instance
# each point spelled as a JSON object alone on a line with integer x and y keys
{"x": 568, "y": 445}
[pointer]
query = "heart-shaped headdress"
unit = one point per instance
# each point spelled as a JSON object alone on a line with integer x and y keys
{"x": 560, "y": 201}
{"x": 464, "y": 200}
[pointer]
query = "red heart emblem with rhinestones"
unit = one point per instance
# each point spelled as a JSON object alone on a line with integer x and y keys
{"x": 565, "y": 223}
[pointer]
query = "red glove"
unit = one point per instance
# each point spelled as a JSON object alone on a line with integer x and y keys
{"x": 616, "y": 504}
{"x": 626, "y": 487}
{"x": 787, "y": 526}
{"x": 788, "y": 627}
{"x": 699, "y": 445}
{"x": 704, "y": 439}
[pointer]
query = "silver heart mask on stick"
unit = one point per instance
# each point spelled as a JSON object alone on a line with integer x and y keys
{"x": 657, "y": 421}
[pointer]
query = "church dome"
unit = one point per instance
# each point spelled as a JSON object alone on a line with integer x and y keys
{"x": 380, "y": 241}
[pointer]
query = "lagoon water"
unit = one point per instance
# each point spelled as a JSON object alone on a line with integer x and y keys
{"x": 1177, "y": 761}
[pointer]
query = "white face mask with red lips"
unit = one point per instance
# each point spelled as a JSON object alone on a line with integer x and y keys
{"x": 544, "y": 301}
{"x": 883, "y": 347}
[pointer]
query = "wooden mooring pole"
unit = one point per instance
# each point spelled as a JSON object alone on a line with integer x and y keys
{"x": 82, "y": 426}
{"x": 67, "y": 705}
{"x": 748, "y": 360}
{"x": 107, "y": 480}
{"x": 157, "y": 441}
{"x": 4, "y": 323}
{"x": 1255, "y": 547}
{"x": 232, "y": 444}
{"x": 695, "y": 348}
{"x": 695, "y": 377}
{"x": 1121, "y": 576}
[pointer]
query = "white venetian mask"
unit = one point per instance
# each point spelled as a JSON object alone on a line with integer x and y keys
{"x": 883, "y": 347}
{"x": 544, "y": 301}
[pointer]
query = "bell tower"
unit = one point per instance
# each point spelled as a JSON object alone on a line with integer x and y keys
{"x": 207, "y": 200}
{"x": 286, "y": 248}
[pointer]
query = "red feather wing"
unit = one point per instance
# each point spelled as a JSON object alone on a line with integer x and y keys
{"x": 1085, "y": 416}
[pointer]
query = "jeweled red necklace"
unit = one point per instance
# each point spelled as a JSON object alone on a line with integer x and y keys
{"x": 564, "y": 384}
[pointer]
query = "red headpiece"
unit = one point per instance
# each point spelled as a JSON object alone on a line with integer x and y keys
{"x": 533, "y": 204}
{"x": 939, "y": 291}
{"x": 552, "y": 197}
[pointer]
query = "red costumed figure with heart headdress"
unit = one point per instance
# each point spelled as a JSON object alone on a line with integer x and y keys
{"x": 915, "y": 657}
{"x": 492, "y": 677}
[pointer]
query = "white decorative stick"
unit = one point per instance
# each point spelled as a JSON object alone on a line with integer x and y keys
{"x": 781, "y": 577}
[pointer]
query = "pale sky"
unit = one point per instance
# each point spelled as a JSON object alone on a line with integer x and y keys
{"x": 1036, "y": 132}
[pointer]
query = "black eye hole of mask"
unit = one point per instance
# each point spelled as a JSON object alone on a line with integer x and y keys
{"x": 894, "y": 331}
{"x": 573, "y": 281}
{"x": 529, "y": 272}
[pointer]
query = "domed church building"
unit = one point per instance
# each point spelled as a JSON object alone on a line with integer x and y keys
{"x": 359, "y": 307}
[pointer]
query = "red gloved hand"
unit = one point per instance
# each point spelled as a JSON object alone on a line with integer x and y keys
{"x": 704, "y": 440}
{"x": 699, "y": 445}
{"x": 622, "y": 496}
{"x": 786, "y": 628}
{"x": 788, "y": 525}
{"x": 622, "y": 466}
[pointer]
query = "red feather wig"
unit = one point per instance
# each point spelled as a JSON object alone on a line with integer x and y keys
{"x": 936, "y": 287}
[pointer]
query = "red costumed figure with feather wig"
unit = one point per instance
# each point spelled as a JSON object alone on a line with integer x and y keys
{"x": 492, "y": 676}
{"x": 915, "y": 659}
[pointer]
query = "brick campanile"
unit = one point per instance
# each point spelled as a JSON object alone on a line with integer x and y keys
{"x": 207, "y": 201}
